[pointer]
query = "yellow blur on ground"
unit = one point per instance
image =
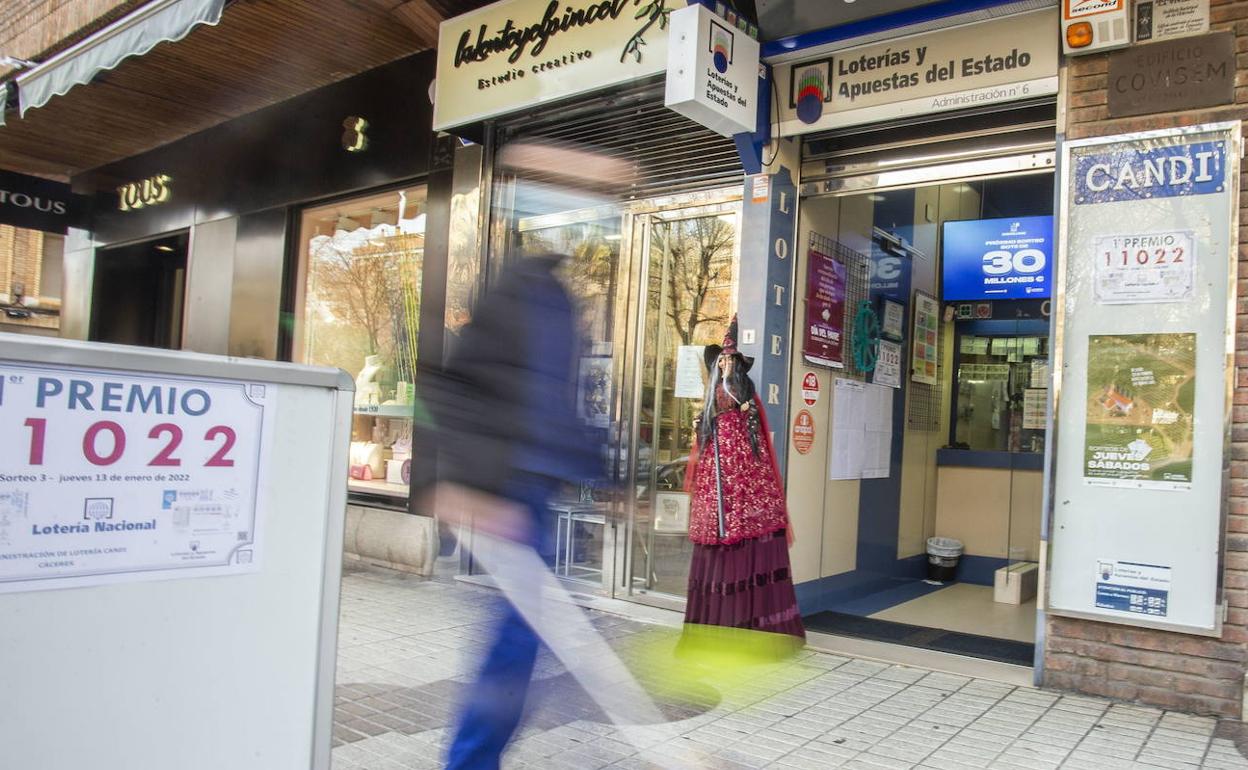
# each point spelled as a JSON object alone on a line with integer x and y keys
{"x": 702, "y": 665}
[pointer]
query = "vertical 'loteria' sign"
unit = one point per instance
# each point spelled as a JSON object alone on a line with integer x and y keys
{"x": 712, "y": 72}
{"x": 515, "y": 54}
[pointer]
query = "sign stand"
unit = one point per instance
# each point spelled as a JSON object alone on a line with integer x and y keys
{"x": 1144, "y": 360}
{"x": 170, "y": 557}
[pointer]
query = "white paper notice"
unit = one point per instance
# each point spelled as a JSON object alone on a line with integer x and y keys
{"x": 888, "y": 365}
{"x": 110, "y": 476}
{"x": 1144, "y": 267}
{"x": 862, "y": 430}
{"x": 689, "y": 366}
{"x": 1035, "y": 408}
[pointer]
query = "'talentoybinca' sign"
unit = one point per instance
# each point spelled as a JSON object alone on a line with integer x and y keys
{"x": 518, "y": 53}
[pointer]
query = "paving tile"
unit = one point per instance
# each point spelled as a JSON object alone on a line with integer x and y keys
{"x": 400, "y": 679}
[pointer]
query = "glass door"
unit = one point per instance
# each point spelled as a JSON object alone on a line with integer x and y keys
{"x": 651, "y": 279}
{"x": 688, "y": 271}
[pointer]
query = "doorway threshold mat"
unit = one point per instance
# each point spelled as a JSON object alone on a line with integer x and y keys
{"x": 938, "y": 639}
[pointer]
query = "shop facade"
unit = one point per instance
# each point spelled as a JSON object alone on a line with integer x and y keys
{"x": 652, "y": 227}
{"x": 901, "y": 260}
{"x": 301, "y": 232}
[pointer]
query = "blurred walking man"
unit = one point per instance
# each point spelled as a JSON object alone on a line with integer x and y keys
{"x": 502, "y": 416}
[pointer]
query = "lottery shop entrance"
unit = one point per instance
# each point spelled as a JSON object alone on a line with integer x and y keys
{"x": 935, "y": 441}
{"x": 653, "y": 246}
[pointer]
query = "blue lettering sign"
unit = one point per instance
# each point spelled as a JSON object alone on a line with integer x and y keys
{"x": 998, "y": 259}
{"x": 1133, "y": 173}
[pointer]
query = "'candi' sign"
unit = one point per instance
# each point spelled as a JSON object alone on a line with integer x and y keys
{"x": 152, "y": 191}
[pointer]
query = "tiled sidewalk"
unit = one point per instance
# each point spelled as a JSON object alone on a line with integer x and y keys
{"x": 407, "y": 646}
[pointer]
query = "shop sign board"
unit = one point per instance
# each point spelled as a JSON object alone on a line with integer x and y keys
{"x": 1181, "y": 74}
{"x": 825, "y": 311}
{"x": 973, "y": 65}
{"x": 34, "y": 203}
{"x": 113, "y": 477}
{"x": 515, "y": 54}
{"x": 1008, "y": 258}
{"x": 712, "y": 71}
{"x": 1146, "y": 354}
{"x": 1162, "y": 19}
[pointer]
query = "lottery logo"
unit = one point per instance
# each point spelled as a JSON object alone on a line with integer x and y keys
{"x": 810, "y": 90}
{"x": 721, "y": 47}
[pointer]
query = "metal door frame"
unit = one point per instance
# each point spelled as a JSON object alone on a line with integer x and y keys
{"x": 664, "y": 211}
{"x": 628, "y": 334}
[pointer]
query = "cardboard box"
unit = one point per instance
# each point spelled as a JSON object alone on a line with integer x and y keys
{"x": 1016, "y": 583}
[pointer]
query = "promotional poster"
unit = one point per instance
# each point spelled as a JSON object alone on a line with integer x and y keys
{"x": 1141, "y": 397}
{"x": 824, "y": 342}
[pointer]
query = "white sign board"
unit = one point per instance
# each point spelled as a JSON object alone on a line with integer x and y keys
{"x": 862, "y": 430}
{"x": 1162, "y": 19}
{"x": 1145, "y": 267}
{"x": 515, "y": 54}
{"x": 973, "y": 65}
{"x": 109, "y": 476}
{"x": 234, "y": 670}
{"x": 712, "y": 72}
{"x": 888, "y": 365}
{"x": 1144, "y": 365}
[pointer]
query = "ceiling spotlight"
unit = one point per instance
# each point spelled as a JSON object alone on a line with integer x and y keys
{"x": 164, "y": 247}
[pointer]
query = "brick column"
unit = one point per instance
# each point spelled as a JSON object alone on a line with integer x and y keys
{"x": 1195, "y": 674}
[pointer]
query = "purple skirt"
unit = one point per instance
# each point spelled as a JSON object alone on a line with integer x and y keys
{"x": 747, "y": 584}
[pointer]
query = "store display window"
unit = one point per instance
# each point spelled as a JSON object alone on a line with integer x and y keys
{"x": 361, "y": 264}
{"x": 1001, "y": 392}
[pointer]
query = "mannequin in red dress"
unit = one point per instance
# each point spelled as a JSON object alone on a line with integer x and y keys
{"x": 740, "y": 576}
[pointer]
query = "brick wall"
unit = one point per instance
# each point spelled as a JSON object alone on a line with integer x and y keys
{"x": 21, "y": 260}
{"x": 31, "y": 29}
{"x": 1187, "y": 673}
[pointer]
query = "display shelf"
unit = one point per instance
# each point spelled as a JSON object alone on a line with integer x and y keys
{"x": 386, "y": 410}
{"x": 378, "y": 487}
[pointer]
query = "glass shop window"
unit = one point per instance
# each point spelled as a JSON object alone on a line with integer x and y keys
{"x": 362, "y": 260}
{"x": 1000, "y": 393}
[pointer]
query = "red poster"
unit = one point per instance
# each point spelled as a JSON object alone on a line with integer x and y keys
{"x": 825, "y": 311}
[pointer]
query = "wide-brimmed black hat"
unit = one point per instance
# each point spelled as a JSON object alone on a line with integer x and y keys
{"x": 711, "y": 353}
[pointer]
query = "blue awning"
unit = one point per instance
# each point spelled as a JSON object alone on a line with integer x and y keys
{"x": 133, "y": 35}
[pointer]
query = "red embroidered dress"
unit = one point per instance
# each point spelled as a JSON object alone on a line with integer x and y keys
{"x": 753, "y": 500}
{"x": 740, "y": 575}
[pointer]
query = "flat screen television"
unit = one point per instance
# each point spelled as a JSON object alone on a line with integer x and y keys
{"x": 990, "y": 259}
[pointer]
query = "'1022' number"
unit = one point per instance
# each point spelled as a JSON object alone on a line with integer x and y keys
{"x": 172, "y": 434}
{"x": 1143, "y": 257}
